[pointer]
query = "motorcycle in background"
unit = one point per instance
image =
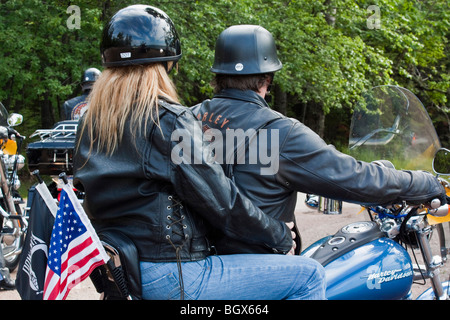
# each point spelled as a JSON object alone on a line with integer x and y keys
{"x": 13, "y": 222}
{"x": 324, "y": 205}
{"x": 376, "y": 259}
{"x": 52, "y": 154}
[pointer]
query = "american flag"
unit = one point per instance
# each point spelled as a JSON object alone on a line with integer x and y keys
{"x": 75, "y": 249}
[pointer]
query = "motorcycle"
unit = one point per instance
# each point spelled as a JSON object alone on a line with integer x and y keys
{"x": 13, "y": 222}
{"x": 52, "y": 154}
{"x": 370, "y": 260}
{"x": 324, "y": 205}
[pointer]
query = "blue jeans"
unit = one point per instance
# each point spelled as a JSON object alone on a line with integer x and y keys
{"x": 236, "y": 277}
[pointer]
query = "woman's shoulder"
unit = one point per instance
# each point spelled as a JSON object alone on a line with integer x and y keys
{"x": 183, "y": 114}
{"x": 172, "y": 107}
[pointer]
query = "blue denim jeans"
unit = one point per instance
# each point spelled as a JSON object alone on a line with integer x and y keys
{"x": 236, "y": 277}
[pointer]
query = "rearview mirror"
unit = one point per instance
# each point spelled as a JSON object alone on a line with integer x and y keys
{"x": 441, "y": 162}
{"x": 15, "y": 119}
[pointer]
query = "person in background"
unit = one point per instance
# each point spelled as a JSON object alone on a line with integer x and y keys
{"x": 74, "y": 108}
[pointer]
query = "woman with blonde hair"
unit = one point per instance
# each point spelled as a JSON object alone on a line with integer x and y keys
{"x": 123, "y": 163}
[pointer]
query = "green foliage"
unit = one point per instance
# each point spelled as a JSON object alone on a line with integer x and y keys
{"x": 329, "y": 53}
{"x": 41, "y": 58}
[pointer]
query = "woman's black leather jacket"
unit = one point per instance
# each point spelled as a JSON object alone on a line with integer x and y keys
{"x": 164, "y": 206}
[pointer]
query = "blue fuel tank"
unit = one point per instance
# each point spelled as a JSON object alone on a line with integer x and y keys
{"x": 362, "y": 264}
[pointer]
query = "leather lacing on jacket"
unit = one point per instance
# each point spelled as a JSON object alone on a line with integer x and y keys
{"x": 178, "y": 227}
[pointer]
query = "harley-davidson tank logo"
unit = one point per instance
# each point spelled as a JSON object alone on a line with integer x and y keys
{"x": 375, "y": 279}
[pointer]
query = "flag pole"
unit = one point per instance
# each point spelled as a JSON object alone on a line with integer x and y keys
{"x": 38, "y": 177}
{"x": 63, "y": 177}
{"x": 45, "y": 193}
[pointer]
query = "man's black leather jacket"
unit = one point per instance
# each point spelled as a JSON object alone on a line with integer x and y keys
{"x": 305, "y": 164}
{"x": 165, "y": 207}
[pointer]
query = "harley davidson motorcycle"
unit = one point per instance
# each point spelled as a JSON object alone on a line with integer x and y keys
{"x": 13, "y": 223}
{"x": 400, "y": 244}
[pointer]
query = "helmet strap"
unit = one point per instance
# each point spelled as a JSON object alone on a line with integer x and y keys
{"x": 169, "y": 65}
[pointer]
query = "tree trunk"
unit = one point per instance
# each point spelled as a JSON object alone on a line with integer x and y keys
{"x": 315, "y": 118}
{"x": 280, "y": 103}
{"x": 47, "y": 116}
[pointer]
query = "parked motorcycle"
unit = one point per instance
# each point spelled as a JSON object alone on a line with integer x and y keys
{"x": 52, "y": 153}
{"x": 324, "y": 205}
{"x": 13, "y": 223}
{"x": 376, "y": 259}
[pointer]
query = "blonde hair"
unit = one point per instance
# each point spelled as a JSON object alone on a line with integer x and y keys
{"x": 123, "y": 93}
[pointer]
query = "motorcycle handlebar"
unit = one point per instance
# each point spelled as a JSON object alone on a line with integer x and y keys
{"x": 437, "y": 210}
{"x": 11, "y": 131}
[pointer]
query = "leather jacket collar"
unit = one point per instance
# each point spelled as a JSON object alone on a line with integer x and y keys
{"x": 243, "y": 95}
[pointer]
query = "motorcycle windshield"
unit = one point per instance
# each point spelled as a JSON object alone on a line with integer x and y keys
{"x": 391, "y": 123}
{"x": 3, "y": 115}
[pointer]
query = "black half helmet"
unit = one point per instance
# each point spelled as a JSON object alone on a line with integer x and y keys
{"x": 89, "y": 77}
{"x": 245, "y": 49}
{"x": 139, "y": 34}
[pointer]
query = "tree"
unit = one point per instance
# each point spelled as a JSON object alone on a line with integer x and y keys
{"x": 42, "y": 57}
{"x": 332, "y": 51}
{"x": 413, "y": 36}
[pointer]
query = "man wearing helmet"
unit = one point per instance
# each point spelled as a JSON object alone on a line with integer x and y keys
{"x": 74, "y": 108}
{"x": 244, "y": 66}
